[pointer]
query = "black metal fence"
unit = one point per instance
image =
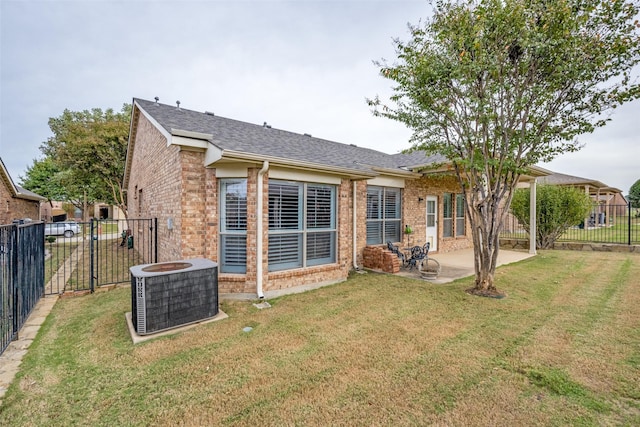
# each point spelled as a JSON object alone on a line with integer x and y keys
{"x": 21, "y": 276}
{"x": 605, "y": 224}
{"x": 99, "y": 253}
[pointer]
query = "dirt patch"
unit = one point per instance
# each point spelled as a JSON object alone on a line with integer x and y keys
{"x": 486, "y": 293}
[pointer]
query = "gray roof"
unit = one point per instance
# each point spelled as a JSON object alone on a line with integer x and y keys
{"x": 24, "y": 193}
{"x": 563, "y": 179}
{"x": 229, "y": 134}
{"x": 16, "y": 190}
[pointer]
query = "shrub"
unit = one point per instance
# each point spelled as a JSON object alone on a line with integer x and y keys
{"x": 557, "y": 209}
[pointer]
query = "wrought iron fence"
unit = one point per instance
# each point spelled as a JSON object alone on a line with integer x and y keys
{"x": 99, "y": 253}
{"x": 605, "y": 224}
{"x": 21, "y": 276}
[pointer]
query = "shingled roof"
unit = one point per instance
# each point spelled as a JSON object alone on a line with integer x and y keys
{"x": 263, "y": 140}
{"x": 16, "y": 190}
{"x": 570, "y": 180}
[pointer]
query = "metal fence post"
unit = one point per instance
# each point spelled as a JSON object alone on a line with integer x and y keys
{"x": 15, "y": 281}
{"x": 91, "y": 249}
{"x": 629, "y": 223}
{"x": 155, "y": 240}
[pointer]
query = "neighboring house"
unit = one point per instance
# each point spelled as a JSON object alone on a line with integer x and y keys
{"x": 278, "y": 210}
{"x": 16, "y": 202}
{"x": 104, "y": 211}
{"x": 609, "y": 200}
{"x": 52, "y": 212}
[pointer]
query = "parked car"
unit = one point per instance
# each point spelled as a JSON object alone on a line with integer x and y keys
{"x": 66, "y": 229}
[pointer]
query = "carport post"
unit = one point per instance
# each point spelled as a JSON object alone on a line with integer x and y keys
{"x": 532, "y": 216}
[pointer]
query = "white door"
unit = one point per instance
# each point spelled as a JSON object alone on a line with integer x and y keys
{"x": 432, "y": 222}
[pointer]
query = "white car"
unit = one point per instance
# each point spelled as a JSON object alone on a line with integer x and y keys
{"x": 66, "y": 229}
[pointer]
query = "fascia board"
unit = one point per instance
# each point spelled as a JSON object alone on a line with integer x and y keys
{"x": 296, "y": 164}
{"x": 396, "y": 172}
{"x": 188, "y": 142}
{"x": 155, "y": 123}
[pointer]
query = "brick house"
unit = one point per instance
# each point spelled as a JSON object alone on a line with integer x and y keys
{"x": 16, "y": 202}
{"x": 280, "y": 211}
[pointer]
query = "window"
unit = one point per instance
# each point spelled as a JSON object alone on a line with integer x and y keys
{"x": 233, "y": 225}
{"x": 383, "y": 215}
{"x": 302, "y": 224}
{"x": 460, "y": 215}
{"x": 447, "y": 215}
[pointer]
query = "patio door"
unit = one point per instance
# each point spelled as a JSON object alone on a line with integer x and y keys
{"x": 432, "y": 222}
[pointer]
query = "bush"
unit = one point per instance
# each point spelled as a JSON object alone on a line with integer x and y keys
{"x": 558, "y": 208}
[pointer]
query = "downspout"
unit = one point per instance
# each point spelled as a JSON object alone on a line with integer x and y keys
{"x": 260, "y": 183}
{"x": 355, "y": 230}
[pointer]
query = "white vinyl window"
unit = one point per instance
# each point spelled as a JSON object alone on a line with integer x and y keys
{"x": 460, "y": 231}
{"x": 447, "y": 215}
{"x": 383, "y": 215}
{"x": 233, "y": 225}
{"x": 302, "y": 224}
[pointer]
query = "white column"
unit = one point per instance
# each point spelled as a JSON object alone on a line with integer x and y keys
{"x": 532, "y": 216}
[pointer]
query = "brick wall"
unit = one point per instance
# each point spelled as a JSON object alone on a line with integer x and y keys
{"x": 154, "y": 187}
{"x": 414, "y": 211}
{"x": 193, "y": 177}
{"x": 381, "y": 259}
{"x": 361, "y": 214}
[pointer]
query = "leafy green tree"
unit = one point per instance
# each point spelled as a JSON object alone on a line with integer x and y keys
{"x": 634, "y": 195}
{"x": 557, "y": 209}
{"x": 89, "y": 148}
{"x": 499, "y": 85}
{"x": 42, "y": 177}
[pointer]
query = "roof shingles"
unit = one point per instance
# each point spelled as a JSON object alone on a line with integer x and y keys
{"x": 229, "y": 134}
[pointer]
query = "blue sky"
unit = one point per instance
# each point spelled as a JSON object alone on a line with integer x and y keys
{"x": 302, "y": 66}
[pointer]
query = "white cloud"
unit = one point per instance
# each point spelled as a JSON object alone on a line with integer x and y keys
{"x": 301, "y": 66}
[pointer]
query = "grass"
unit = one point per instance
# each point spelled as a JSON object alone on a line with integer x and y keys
{"x": 112, "y": 263}
{"x": 617, "y": 233}
{"x": 59, "y": 251}
{"x": 562, "y": 349}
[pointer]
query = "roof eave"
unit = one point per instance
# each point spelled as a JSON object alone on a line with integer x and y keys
{"x": 396, "y": 172}
{"x": 233, "y": 155}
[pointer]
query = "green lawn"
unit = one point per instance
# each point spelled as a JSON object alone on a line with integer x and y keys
{"x": 617, "y": 233}
{"x": 562, "y": 349}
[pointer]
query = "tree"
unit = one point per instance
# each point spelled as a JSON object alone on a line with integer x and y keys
{"x": 557, "y": 209}
{"x": 634, "y": 195}
{"x": 89, "y": 148}
{"x": 42, "y": 177}
{"x": 499, "y": 85}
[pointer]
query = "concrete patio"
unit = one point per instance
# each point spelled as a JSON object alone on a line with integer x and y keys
{"x": 459, "y": 264}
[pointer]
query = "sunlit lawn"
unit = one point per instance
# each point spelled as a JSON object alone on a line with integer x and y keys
{"x": 616, "y": 233}
{"x": 562, "y": 349}
{"x": 111, "y": 263}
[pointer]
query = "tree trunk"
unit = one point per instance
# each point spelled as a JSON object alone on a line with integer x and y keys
{"x": 486, "y": 245}
{"x": 486, "y": 216}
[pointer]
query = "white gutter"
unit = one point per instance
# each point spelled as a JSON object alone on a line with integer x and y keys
{"x": 261, "y": 172}
{"x": 355, "y": 233}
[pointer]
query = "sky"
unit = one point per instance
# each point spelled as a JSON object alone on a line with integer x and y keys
{"x": 301, "y": 66}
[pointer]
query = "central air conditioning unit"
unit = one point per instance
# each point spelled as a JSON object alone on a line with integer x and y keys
{"x": 171, "y": 294}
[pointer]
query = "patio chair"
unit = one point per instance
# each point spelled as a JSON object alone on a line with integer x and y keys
{"x": 418, "y": 255}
